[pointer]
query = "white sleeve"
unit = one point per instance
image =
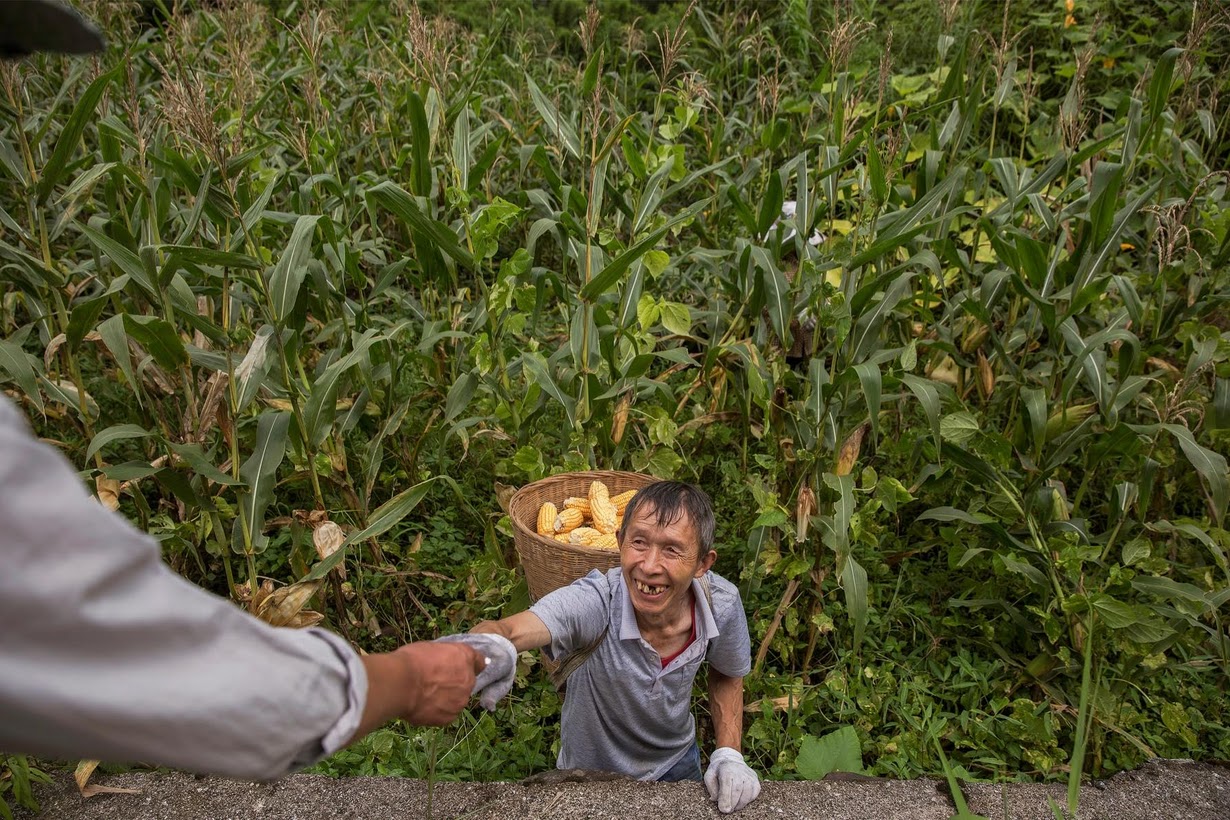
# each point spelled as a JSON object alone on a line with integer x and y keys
{"x": 105, "y": 653}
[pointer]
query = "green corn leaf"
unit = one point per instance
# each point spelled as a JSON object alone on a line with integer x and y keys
{"x": 459, "y": 396}
{"x": 554, "y": 123}
{"x": 287, "y": 276}
{"x": 1210, "y": 465}
{"x": 590, "y": 80}
{"x": 388, "y": 515}
{"x": 114, "y": 433}
{"x": 870, "y": 381}
{"x": 115, "y": 338}
{"x": 260, "y": 472}
{"x": 770, "y": 204}
{"x": 461, "y": 148}
{"x": 402, "y": 205}
{"x": 536, "y": 368}
{"x": 124, "y": 259}
{"x": 778, "y": 298}
{"x": 929, "y": 397}
{"x": 420, "y": 135}
{"x": 321, "y": 406}
{"x": 159, "y": 338}
{"x": 66, "y": 144}
{"x": 601, "y": 283}
{"x": 17, "y": 363}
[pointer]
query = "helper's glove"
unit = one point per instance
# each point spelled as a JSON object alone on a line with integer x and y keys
{"x": 496, "y": 680}
{"x": 730, "y": 781}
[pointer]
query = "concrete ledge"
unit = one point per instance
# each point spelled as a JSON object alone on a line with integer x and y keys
{"x": 1161, "y": 789}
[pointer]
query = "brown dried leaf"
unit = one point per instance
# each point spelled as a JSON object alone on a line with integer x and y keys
{"x": 416, "y": 544}
{"x": 85, "y": 768}
{"x": 215, "y": 391}
{"x": 986, "y": 375}
{"x": 947, "y": 371}
{"x": 849, "y": 451}
{"x": 504, "y": 494}
{"x": 52, "y": 347}
{"x": 257, "y": 601}
{"x": 108, "y": 492}
{"x": 804, "y": 507}
{"x": 1162, "y": 364}
{"x": 328, "y": 538}
{"x": 285, "y": 606}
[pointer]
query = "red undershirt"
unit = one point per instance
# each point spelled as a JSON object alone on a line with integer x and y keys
{"x": 691, "y": 638}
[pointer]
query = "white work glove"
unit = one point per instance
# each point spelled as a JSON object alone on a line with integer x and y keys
{"x": 496, "y": 680}
{"x": 730, "y": 781}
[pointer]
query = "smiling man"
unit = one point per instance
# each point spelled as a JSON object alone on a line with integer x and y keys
{"x": 633, "y": 639}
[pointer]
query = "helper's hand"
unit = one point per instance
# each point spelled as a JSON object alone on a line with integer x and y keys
{"x": 730, "y": 781}
{"x": 496, "y": 680}
{"x": 425, "y": 683}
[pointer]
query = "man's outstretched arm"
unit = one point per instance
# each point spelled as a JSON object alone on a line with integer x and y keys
{"x": 109, "y": 654}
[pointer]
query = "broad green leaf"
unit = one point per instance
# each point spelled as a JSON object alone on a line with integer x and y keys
{"x": 554, "y": 123}
{"x": 676, "y": 318}
{"x": 321, "y": 406}
{"x": 260, "y": 472}
{"x": 66, "y": 144}
{"x": 837, "y": 751}
{"x": 287, "y": 275}
{"x": 601, "y": 283}
{"x": 385, "y": 517}
{"x": 124, "y": 259}
{"x": 18, "y": 364}
{"x": 459, "y": 396}
{"x": 115, "y": 337}
{"x": 959, "y": 427}
{"x": 116, "y": 432}
{"x": 159, "y": 338}
{"x": 1210, "y": 465}
{"x": 928, "y": 396}
{"x": 403, "y": 206}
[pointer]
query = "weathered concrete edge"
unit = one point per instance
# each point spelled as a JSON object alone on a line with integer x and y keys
{"x": 1160, "y": 789}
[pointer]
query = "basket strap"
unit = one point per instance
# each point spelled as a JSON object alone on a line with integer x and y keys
{"x": 573, "y": 660}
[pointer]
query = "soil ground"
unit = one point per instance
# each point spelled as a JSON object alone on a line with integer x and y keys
{"x": 1161, "y": 789}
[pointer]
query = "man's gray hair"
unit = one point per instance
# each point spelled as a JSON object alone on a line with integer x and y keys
{"x": 670, "y": 501}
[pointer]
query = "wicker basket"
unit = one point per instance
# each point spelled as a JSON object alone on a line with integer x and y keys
{"x": 551, "y": 564}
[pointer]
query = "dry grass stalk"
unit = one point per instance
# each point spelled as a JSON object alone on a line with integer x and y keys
{"x": 848, "y": 28}
{"x": 671, "y": 46}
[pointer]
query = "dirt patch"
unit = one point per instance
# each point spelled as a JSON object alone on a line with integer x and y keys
{"x": 1170, "y": 789}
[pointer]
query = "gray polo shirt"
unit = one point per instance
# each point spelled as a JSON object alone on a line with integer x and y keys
{"x": 624, "y": 712}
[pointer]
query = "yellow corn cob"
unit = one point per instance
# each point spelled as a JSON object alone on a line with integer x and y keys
{"x": 583, "y": 536}
{"x": 600, "y": 507}
{"x": 575, "y": 503}
{"x": 568, "y": 520}
{"x": 621, "y": 501}
{"x": 546, "y": 519}
{"x": 606, "y": 541}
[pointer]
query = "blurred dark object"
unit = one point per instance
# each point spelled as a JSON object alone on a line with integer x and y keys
{"x": 29, "y": 26}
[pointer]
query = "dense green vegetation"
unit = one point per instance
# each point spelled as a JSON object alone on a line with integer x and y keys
{"x": 268, "y": 265}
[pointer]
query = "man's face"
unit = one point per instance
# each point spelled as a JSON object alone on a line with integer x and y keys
{"x": 659, "y": 562}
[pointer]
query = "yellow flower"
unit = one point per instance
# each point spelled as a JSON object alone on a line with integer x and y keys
{"x": 1108, "y": 62}
{"x": 1069, "y": 6}
{"x": 1069, "y": 20}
